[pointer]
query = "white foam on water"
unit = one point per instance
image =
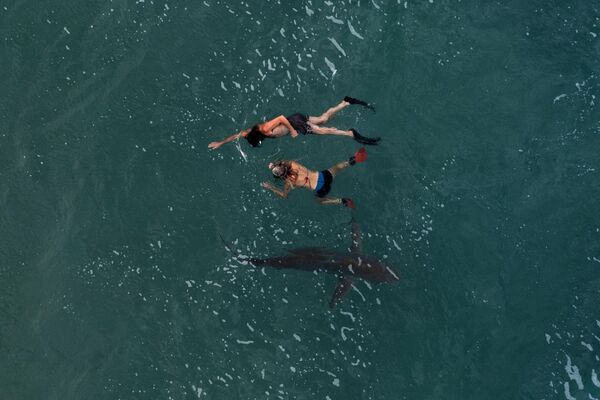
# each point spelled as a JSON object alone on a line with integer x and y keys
{"x": 568, "y": 393}
{"x": 573, "y": 373}
{"x": 239, "y": 148}
{"x": 343, "y": 331}
{"x": 348, "y": 314}
{"x": 336, "y": 382}
{"x": 196, "y": 390}
{"x": 392, "y": 272}
{"x": 331, "y": 66}
{"x": 560, "y": 96}
{"x": 595, "y": 380}
{"x": 337, "y": 46}
{"x": 587, "y": 346}
{"x": 334, "y": 20}
{"x": 359, "y": 292}
{"x": 353, "y": 31}
{"x": 245, "y": 342}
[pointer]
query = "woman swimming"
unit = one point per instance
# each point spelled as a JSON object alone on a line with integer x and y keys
{"x": 296, "y": 175}
{"x": 299, "y": 123}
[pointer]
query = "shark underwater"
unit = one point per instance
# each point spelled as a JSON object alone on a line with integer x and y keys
{"x": 345, "y": 265}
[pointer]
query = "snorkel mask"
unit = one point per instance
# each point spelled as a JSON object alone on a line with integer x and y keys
{"x": 278, "y": 169}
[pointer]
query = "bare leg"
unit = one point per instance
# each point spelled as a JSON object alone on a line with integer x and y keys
{"x": 329, "y": 200}
{"x": 337, "y": 168}
{"x": 345, "y": 201}
{"x": 323, "y": 130}
{"x": 327, "y": 115}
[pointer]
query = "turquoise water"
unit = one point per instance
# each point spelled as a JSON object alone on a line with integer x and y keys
{"x": 483, "y": 195}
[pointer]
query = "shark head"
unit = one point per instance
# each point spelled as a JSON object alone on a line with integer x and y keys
{"x": 373, "y": 269}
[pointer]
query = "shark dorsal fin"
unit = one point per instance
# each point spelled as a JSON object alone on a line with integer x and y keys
{"x": 356, "y": 246}
{"x": 343, "y": 286}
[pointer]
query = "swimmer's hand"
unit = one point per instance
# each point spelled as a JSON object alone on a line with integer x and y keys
{"x": 294, "y": 133}
{"x": 281, "y": 193}
{"x": 214, "y": 145}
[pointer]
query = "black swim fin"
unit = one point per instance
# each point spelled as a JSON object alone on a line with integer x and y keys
{"x": 363, "y": 139}
{"x": 352, "y": 100}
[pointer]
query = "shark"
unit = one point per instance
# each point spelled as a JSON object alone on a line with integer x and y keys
{"x": 346, "y": 266}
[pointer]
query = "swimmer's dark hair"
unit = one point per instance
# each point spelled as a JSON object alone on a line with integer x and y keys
{"x": 255, "y": 136}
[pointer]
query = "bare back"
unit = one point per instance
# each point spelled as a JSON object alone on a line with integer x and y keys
{"x": 304, "y": 178}
{"x": 278, "y": 131}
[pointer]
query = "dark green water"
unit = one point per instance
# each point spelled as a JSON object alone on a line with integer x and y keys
{"x": 483, "y": 195}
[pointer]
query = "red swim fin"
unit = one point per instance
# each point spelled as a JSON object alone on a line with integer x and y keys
{"x": 361, "y": 155}
{"x": 347, "y": 202}
{"x": 343, "y": 287}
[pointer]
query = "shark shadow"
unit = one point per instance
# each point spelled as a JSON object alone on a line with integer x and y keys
{"x": 345, "y": 265}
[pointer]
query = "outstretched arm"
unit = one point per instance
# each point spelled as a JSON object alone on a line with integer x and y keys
{"x": 282, "y": 193}
{"x": 281, "y": 120}
{"x": 216, "y": 145}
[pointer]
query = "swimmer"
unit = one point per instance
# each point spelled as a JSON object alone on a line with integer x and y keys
{"x": 296, "y": 175}
{"x": 299, "y": 123}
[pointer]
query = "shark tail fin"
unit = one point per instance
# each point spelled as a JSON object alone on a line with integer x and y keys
{"x": 343, "y": 287}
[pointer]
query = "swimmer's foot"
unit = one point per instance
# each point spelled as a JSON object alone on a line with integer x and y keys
{"x": 363, "y": 139}
{"x": 347, "y": 202}
{"x": 359, "y": 156}
{"x": 352, "y": 100}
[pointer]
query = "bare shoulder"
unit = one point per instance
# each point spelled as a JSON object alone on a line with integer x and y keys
{"x": 301, "y": 168}
{"x": 296, "y": 165}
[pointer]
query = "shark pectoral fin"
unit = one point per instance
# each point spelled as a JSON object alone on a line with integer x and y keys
{"x": 343, "y": 286}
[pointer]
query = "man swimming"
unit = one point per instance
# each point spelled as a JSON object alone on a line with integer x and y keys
{"x": 299, "y": 123}
{"x": 296, "y": 175}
